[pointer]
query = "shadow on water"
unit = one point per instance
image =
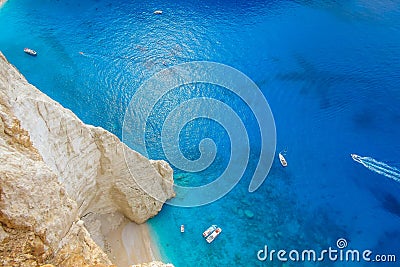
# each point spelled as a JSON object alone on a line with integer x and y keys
{"x": 316, "y": 82}
{"x": 391, "y": 204}
{"x": 386, "y": 197}
{"x": 387, "y": 244}
{"x": 365, "y": 119}
{"x": 348, "y": 10}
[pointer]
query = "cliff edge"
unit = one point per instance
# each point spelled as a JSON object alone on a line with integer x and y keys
{"x": 55, "y": 170}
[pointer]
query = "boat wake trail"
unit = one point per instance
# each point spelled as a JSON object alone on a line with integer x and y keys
{"x": 92, "y": 56}
{"x": 378, "y": 167}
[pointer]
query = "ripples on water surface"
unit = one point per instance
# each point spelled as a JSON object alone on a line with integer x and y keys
{"x": 329, "y": 69}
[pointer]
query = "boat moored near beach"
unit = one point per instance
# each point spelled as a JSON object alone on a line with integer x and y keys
{"x": 30, "y": 51}
{"x": 209, "y": 230}
{"x": 211, "y": 237}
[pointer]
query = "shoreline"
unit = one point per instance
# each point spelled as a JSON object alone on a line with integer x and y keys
{"x": 125, "y": 242}
{"x": 144, "y": 251}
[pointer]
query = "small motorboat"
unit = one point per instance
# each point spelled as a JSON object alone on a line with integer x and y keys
{"x": 158, "y": 12}
{"x": 282, "y": 160}
{"x": 30, "y": 51}
{"x": 209, "y": 230}
{"x": 356, "y": 158}
{"x": 214, "y": 234}
{"x": 182, "y": 228}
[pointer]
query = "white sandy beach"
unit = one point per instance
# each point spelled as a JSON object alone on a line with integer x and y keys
{"x": 139, "y": 244}
{"x": 125, "y": 242}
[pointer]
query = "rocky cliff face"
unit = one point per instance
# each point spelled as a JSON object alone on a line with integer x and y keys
{"x": 54, "y": 169}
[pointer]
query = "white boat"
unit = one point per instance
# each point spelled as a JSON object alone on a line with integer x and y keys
{"x": 209, "y": 230}
{"x": 282, "y": 160}
{"x": 30, "y": 51}
{"x": 158, "y": 12}
{"x": 356, "y": 158}
{"x": 214, "y": 234}
{"x": 182, "y": 228}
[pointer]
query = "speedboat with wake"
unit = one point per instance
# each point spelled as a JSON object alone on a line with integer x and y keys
{"x": 379, "y": 167}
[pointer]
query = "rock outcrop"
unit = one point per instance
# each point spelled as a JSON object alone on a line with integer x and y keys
{"x": 54, "y": 169}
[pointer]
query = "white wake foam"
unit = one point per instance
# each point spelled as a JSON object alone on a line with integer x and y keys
{"x": 379, "y": 167}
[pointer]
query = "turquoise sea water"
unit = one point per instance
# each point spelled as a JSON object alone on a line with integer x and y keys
{"x": 330, "y": 71}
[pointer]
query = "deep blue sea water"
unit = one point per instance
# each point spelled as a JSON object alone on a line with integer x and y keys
{"x": 330, "y": 71}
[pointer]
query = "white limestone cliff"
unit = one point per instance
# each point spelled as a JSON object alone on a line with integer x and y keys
{"x": 89, "y": 161}
{"x": 54, "y": 169}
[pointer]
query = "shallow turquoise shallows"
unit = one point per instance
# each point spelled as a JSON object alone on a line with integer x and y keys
{"x": 330, "y": 71}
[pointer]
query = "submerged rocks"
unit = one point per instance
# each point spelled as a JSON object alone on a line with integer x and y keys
{"x": 249, "y": 214}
